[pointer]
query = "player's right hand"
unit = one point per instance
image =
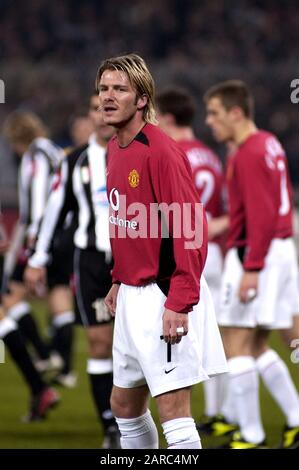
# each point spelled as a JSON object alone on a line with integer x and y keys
{"x": 111, "y": 298}
{"x": 35, "y": 279}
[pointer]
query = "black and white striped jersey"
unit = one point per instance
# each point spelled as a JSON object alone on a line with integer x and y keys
{"x": 79, "y": 186}
{"x": 37, "y": 167}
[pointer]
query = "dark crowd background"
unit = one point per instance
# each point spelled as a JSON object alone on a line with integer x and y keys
{"x": 50, "y": 51}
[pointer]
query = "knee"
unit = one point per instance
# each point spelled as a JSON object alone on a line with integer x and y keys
{"x": 99, "y": 349}
{"x": 121, "y": 407}
{"x": 13, "y": 298}
{"x": 174, "y": 405}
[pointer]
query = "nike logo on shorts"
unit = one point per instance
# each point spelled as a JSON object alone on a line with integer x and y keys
{"x": 168, "y": 371}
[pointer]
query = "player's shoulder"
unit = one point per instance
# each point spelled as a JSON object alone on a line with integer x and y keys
{"x": 73, "y": 156}
{"x": 46, "y": 145}
{"x": 201, "y": 155}
{"x": 261, "y": 140}
{"x": 259, "y": 149}
{"x": 44, "y": 148}
{"x": 161, "y": 145}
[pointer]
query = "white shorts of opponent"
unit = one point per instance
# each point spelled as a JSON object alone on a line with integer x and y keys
{"x": 213, "y": 272}
{"x": 139, "y": 354}
{"x": 277, "y": 297}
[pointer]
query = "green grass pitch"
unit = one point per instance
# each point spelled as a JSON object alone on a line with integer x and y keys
{"x": 73, "y": 425}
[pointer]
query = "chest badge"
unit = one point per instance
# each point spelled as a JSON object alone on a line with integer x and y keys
{"x": 134, "y": 178}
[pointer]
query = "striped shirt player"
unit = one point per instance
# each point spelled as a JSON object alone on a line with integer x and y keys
{"x": 156, "y": 272}
{"x": 38, "y": 165}
{"x": 80, "y": 186}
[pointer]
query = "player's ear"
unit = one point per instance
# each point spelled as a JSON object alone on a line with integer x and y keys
{"x": 142, "y": 101}
{"x": 236, "y": 113}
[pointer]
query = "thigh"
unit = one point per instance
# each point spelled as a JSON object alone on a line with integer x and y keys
{"x": 60, "y": 299}
{"x": 100, "y": 340}
{"x": 59, "y": 271}
{"x": 92, "y": 281}
{"x": 238, "y": 341}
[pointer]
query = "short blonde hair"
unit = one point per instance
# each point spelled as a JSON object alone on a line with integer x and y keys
{"x": 22, "y": 127}
{"x": 140, "y": 78}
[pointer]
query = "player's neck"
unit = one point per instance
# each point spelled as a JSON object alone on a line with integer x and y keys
{"x": 243, "y": 130}
{"x": 100, "y": 141}
{"x": 127, "y": 133}
{"x": 182, "y": 133}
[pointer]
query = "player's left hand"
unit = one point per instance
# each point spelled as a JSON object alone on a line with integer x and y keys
{"x": 248, "y": 289}
{"x": 175, "y": 326}
{"x": 35, "y": 280}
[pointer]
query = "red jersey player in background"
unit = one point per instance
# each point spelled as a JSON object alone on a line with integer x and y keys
{"x": 175, "y": 112}
{"x": 259, "y": 287}
{"x": 156, "y": 278}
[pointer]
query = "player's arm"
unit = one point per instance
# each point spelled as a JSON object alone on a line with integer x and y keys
{"x": 217, "y": 226}
{"x": 39, "y": 194}
{"x": 111, "y": 298}
{"x": 173, "y": 183}
{"x": 261, "y": 203}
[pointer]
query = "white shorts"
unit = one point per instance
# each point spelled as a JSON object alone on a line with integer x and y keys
{"x": 277, "y": 298}
{"x": 213, "y": 271}
{"x": 139, "y": 355}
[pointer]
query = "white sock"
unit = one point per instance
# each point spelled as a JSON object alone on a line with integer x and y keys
{"x": 245, "y": 390}
{"x": 228, "y": 408}
{"x": 7, "y": 325}
{"x": 19, "y": 310}
{"x": 277, "y": 379}
{"x": 63, "y": 319}
{"x": 181, "y": 433}
{"x": 99, "y": 366}
{"x": 138, "y": 433}
{"x": 214, "y": 389}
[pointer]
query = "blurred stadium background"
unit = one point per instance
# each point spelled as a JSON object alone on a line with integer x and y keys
{"x": 49, "y": 54}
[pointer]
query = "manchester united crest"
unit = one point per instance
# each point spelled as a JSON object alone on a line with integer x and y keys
{"x": 134, "y": 178}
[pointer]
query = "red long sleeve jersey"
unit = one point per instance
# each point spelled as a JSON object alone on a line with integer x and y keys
{"x": 260, "y": 197}
{"x": 207, "y": 174}
{"x": 150, "y": 171}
